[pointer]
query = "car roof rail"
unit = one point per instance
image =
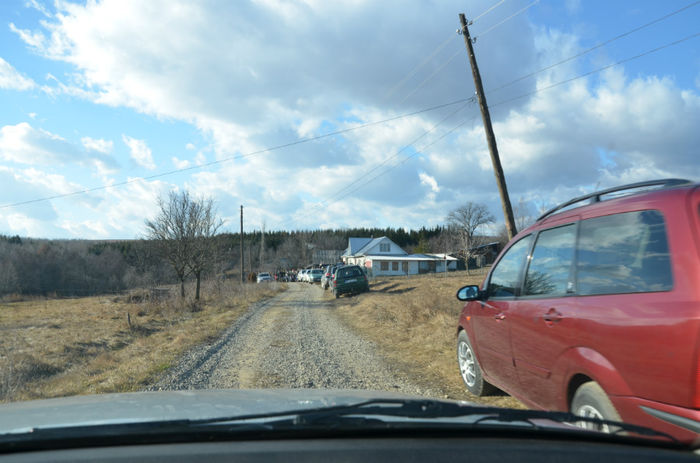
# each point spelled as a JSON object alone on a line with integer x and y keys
{"x": 595, "y": 196}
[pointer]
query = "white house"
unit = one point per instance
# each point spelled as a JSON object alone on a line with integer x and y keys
{"x": 381, "y": 256}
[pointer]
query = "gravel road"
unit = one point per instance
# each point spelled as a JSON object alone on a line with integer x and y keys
{"x": 293, "y": 340}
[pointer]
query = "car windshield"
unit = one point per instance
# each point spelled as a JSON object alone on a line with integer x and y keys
{"x": 274, "y": 195}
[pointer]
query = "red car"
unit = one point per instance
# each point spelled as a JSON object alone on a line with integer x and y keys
{"x": 596, "y": 310}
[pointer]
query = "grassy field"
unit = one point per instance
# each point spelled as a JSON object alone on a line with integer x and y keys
{"x": 60, "y": 347}
{"x": 414, "y": 321}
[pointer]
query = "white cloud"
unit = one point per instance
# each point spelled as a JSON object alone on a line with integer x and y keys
{"x": 13, "y": 80}
{"x": 184, "y": 62}
{"x": 24, "y": 144}
{"x": 98, "y": 144}
{"x": 181, "y": 164}
{"x": 35, "y": 40}
{"x": 140, "y": 152}
{"x": 38, "y": 6}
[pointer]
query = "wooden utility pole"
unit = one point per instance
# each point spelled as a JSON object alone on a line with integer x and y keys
{"x": 490, "y": 137}
{"x": 242, "y": 271}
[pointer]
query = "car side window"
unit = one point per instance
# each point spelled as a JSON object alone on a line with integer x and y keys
{"x": 549, "y": 271}
{"x": 505, "y": 278}
{"x": 623, "y": 253}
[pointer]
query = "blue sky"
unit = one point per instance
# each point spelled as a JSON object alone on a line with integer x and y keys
{"x": 121, "y": 92}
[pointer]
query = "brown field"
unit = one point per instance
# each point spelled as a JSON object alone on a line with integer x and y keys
{"x": 414, "y": 321}
{"x": 61, "y": 347}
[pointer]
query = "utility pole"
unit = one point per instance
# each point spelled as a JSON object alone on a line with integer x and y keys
{"x": 242, "y": 271}
{"x": 490, "y": 137}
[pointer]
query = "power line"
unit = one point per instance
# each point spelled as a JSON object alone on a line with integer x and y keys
{"x": 676, "y": 42}
{"x": 407, "y": 158}
{"x": 595, "y": 47}
{"x": 505, "y": 20}
{"x": 418, "y": 67}
{"x": 232, "y": 158}
{"x": 339, "y": 194}
{"x": 429, "y": 58}
{"x": 430, "y": 77}
{"x": 489, "y": 10}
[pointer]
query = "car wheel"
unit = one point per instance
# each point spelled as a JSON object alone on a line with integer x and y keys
{"x": 335, "y": 293}
{"x": 470, "y": 369}
{"x": 591, "y": 401}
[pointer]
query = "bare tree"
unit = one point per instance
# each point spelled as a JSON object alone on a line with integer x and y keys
{"x": 464, "y": 222}
{"x": 524, "y": 217}
{"x": 203, "y": 224}
{"x": 183, "y": 230}
{"x": 170, "y": 230}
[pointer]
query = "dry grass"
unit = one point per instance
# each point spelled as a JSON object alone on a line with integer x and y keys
{"x": 60, "y": 347}
{"x": 414, "y": 321}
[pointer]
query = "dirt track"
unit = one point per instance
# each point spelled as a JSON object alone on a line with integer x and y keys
{"x": 293, "y": 340}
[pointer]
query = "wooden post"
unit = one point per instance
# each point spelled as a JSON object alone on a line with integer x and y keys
{"x": 490, "y": 137}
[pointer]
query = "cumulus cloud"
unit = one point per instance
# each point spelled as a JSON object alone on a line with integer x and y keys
{"x": 11, "y": 79}
{"x": 98, "y": 144}
{"x": 24, "y": 144}
{"x": 140, "y": 152}
{"x": 221, "y": 71}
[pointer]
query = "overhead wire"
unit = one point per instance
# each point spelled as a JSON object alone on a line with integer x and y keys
{"x": 432, "y": 55}
{"x": 419, "y": 66}
{"x": 488, "y": 10}
{"x": 340, "y": 193}
{"x": 557, "y": 84}
{"x": 232, "y": 158}
{"x": 595, "y": 47}
{"x": 505, "y": 20}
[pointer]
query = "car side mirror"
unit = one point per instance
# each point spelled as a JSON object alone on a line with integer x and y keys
{"x": 469, "y": 293}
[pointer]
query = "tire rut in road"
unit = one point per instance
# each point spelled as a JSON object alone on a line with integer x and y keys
{"x": 294, "y": 340}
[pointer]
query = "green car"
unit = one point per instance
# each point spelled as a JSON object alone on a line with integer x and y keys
{"x": 349, "y": 279}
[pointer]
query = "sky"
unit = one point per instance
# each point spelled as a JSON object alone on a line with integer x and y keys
{"x": 315, "y": 114}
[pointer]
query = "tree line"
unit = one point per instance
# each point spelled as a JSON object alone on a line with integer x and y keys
{"x": 184, "y": 243}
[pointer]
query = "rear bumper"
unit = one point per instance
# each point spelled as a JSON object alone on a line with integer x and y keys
{"x": 680, "y": 422}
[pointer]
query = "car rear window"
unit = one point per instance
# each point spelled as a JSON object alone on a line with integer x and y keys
{"x": 623, "y": 253}
{"x": 349, "y": 272}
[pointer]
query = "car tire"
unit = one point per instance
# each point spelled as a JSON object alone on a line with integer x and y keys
{"x": 335, "y": 293}
{"x": 591, "y": 400}
{"x": 469, "y": 368}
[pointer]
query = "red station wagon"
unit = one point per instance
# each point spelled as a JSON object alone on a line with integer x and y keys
{"x": 596, "y": 310}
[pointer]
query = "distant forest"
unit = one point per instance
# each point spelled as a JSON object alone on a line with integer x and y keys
{"x": 81, "y": 267}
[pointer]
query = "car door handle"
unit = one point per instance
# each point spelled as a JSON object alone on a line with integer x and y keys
{"x": 500, "y": 316}
{"x": 552, "y": 316}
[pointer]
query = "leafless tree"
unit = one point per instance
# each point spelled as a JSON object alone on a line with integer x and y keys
{"x": 204, "y": 225}
{"x": 183, "y": 230}
{"x": 171, "y": 230}
{"x": 464, "y": 221}
{"x": 524, "y": 217}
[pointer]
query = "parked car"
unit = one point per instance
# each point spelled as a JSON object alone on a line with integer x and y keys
{"x": 349, "y": 279}
{"x": 315, "y": 275}
{"x": 264, "y": 277}
{"x": 596, "y": 310}
{"x": 327, "y": 277}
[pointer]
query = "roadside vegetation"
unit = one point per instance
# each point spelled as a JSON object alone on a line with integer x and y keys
{"x": 63, "y": 347}
{"x": 413, "y": 320}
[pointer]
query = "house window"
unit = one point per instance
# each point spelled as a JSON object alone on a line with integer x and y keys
{"x": 385, "y": 266}
{"x": 384, "y": 247}
{"x": 395, "y": 266}
{"x": 404, "y": 267}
